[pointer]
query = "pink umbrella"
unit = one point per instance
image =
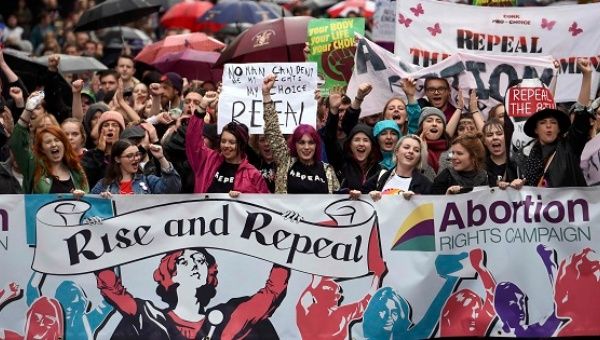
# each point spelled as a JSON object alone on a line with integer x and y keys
{"x": 192, "y": 64}
{"x": 177, "y": 43}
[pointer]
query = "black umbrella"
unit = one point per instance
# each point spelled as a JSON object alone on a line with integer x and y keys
{"x": 115, "y": 13}
{"x": 34, "y": 73}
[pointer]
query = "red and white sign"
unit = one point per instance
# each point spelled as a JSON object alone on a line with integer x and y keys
{"x": 522, "y": 102}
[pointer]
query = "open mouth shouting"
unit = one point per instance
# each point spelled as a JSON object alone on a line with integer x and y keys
{"x": 496, "y": 147}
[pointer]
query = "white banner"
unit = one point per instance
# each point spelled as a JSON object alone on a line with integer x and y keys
{"x": 241, "y": 226}
{"x": 384, "y": 71}
{"x": 427, "y": 30}
{"x": 293, "y": 95}
{"x": 488, "y": 263}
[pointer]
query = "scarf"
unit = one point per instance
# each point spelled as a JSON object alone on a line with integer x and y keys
{"x": 469, "y": 179}
{"x": 535, "y": 163}
{"x": 434, "y": 150}
{"x": 388, "y": 160}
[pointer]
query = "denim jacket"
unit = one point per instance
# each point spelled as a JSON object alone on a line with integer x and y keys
{"x": 168, "y": 183}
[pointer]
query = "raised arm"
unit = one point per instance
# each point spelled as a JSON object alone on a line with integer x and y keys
{"x": 34, "y": 287}
{"x": 169, "y": 182}
{"x": 477, "y": 257}
{"x": 195, "y": 149}
{"x": 130, "y": 114}
{"x": 584, "y": 65}
{"x": 445, "y": 265}
{"x": 352, "y": 115}
{"x": 273, "y": 133}
{"x": 76, "y": 106}
{"x": 413, "y": 109}
{"x": 474, "y": 109}
{"x": 156, "y": 92}
{"x": 453, "y": 122}
{"x": 112, "y": 290}
{"x": 334, "y": 152}
{"x": 55, "y": 102}
{"x": 11, "y": 76}
{"x": 260, "y": 306}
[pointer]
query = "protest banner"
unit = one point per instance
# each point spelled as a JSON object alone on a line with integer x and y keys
{"x": 427, "y": 31}
{"x": 457, "y": 265}
{"x": 293, "y": 95}
{"x": 463, "y": 70}
{"x": 384, "y": 21}
{"x": 332, "y": 48}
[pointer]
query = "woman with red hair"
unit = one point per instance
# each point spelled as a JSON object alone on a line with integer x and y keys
{"x": 299, "y": 166}
{"x": 52, "y": 166}
{"x": 187, "y": 281}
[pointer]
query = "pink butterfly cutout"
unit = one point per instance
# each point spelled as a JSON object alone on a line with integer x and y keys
{"x": 574, "y": 29}
{"x": 403, "y": 20}
{"x": 548, "y": 24}
{"x": 435, "y": 29}
{"x": 417, "y": 10}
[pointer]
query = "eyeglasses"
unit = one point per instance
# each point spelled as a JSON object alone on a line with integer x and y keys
{"x": 436, "y": 89}
{"x": 131, "y": 156}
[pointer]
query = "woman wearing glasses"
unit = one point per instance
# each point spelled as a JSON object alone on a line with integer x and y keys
{"x": 226, "y": 170}
{"x": 123, "y": 174}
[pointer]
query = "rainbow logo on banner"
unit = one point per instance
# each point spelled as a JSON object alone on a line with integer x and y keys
{"x": 417, "y": 231}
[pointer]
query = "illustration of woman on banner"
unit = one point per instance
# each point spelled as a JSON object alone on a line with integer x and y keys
{"x": 44, "y": 320}
{"x": 576, "y": 294}
{"x": 465, "y": 312}
{"x": 187, "y": 281}
{"x": 80, "y": 320}
{"x": 511, "y": 304}
{"x": 318, "y": 311}
{"x": 389, "y": 315}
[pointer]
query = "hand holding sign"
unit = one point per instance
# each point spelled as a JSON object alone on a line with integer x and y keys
{"x": 291, "y": 89}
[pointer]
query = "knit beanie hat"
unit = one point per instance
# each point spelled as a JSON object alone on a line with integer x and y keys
{"x": 429, "y": 111}
{"x": 364, "y": 128}
{"x": 384, "y": 125}
{"x": 111, "y": 115}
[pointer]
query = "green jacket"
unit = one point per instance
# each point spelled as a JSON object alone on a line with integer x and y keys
{"x": 20, "y": 144}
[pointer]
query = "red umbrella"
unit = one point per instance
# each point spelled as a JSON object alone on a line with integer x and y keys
{"x": 278, "y": 40}
{"x": 176, "y": 43}
{"x": 364, "y": 8}
{"x": 185, "y": 14}
{"x": 190, "y": 64}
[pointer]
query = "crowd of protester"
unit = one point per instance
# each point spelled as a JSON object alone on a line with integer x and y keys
{"x": 158, "y": 134}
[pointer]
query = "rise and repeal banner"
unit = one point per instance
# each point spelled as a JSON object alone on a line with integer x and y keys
{"x": 491, "y": 262}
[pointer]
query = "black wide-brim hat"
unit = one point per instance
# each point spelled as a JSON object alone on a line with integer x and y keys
{"x": 563, "y": 121}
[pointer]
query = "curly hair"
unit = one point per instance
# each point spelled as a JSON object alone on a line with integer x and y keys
{"x": 167, "y": 289}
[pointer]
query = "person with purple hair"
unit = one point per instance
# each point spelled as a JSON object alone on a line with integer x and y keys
{"x": 299, "y": 166}
{"x": 511, "y": 304}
